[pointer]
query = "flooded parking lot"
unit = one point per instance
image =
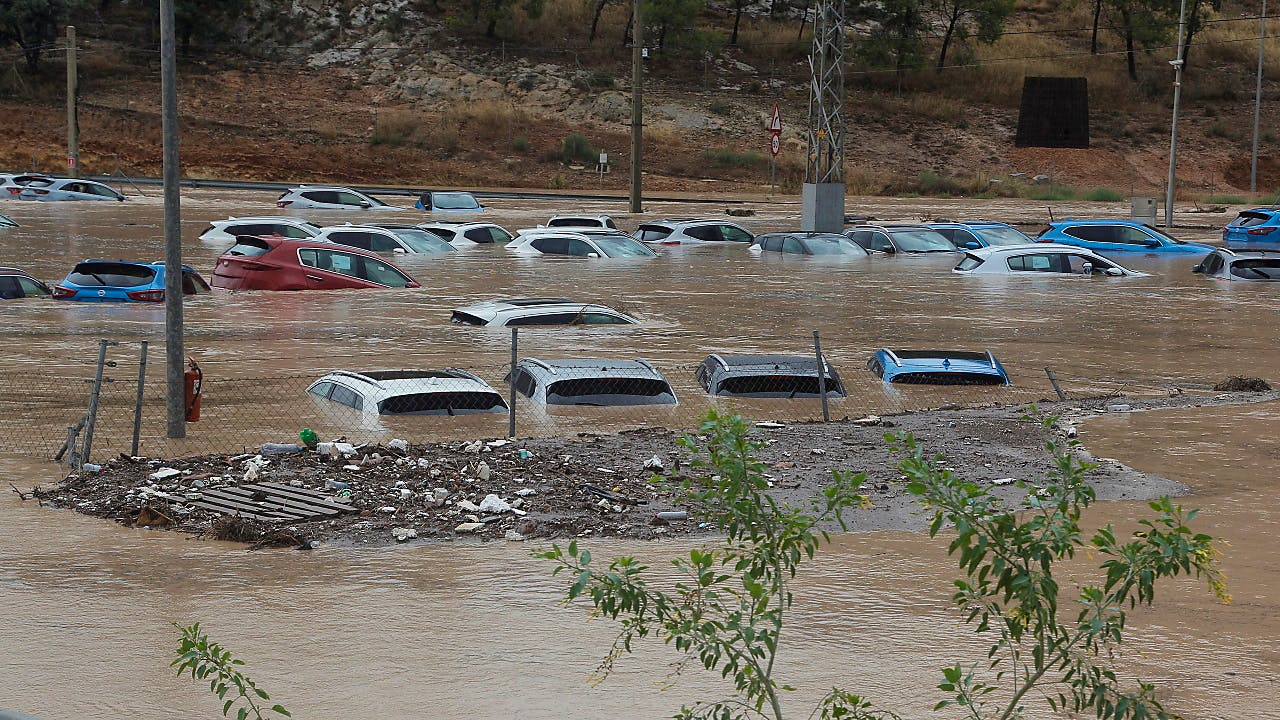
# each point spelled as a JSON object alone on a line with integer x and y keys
{"x": 475, "y": 629}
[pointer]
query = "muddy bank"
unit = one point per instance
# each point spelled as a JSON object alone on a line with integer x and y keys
{"x": 589, "y": 485}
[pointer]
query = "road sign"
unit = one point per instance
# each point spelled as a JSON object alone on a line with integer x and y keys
{"x": 775, "y": 144}
{"x": 775, "y": 121}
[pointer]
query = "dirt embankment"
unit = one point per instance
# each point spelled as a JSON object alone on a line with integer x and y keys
{"x": 591, "y": 485}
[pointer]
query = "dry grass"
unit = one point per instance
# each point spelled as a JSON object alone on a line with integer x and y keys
{"x": 487, "y": 120}
{"x": 768, "y": 42}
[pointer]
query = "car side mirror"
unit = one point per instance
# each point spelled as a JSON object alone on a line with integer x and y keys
{"x": 1114, "y": 272}
{"x": 399, "y": 251}
{"x": 366, "y": 204}
{"x": 891, "y": 250}
{"x": 972, "y": 245}
{"x": 593, "y": 255}
{"x": 1152, "y": 243}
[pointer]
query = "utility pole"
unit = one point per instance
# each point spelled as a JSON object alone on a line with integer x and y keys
{"x": 1257, "y": 102}
{"x": 1173, "y": 130}
{"x": 637, "y": 91}
{"x": 175, "y": 407}
{"x": 73, "y": 99}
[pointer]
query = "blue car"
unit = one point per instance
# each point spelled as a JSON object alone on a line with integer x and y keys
{"x": 121, "y": 281}
{"x": 1117, "y": 236}
{"x": 937, "y": 367}
{"x": 1256, "y": 229}
{"x": 980, "y": 234}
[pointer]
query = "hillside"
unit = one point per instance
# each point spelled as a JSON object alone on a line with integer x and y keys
{"x": 408, "y": 93}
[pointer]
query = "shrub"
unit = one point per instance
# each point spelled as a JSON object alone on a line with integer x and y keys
{"x": 577, "y": 148}
{"x": 1053, "y": 193}
{"x": 731, "y": 159}
{"x": 395, "y": 128}
{"x": 520, "y": 144}
{"x": 601, "y": 80}
{"x": 720, "y": 107}
{"x": 1103, "y": 195}
{"x": 1225, "y": 200}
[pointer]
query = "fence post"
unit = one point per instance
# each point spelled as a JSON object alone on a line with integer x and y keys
{"x": 1054, "y": 382}
{"x": 137, "y": 406}
{"x": 511, "y": 383}
{"x": 93, "y": 402}
{"x": 822, "y": 376}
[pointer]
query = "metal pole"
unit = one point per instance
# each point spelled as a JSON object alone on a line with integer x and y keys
{"x": 637, "y": 92}
{"x": 73, "y": 97}
{"x": 1257, "y": 102}
{"x": 93, "y": 404}
{"x": 822, "y": 376}
{"x": 175, "y": 408}
{"x": 137, "y": 405}
{"x": 1054, "y": 382}
{"x": 1173, "y": 130}
{"x": 511, "y": 389}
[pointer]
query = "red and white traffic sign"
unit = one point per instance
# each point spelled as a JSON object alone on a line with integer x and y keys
{"x": 775, "y": 144}
{"x": 775, "y": 121}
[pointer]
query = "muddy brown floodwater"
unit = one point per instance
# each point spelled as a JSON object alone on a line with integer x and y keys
{"x": 475, "y": 630}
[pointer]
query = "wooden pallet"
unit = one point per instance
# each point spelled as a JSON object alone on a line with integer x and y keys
{"x": 274, "y": 502}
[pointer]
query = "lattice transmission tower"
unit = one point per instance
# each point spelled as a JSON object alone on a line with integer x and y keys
{"x": 825, "y": 133}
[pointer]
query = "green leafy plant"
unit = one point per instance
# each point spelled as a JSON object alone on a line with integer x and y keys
{"x": 577, "y": 148}
{"x": 207, "y": 660}
{"x": 1010, "y": 589}
{"x": 728, "y": 609}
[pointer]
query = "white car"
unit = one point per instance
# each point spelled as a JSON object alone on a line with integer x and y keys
{"x": 464, "y": 234}
{"x": 1039, "y": 258}
{"x": 591, "y": 381}
{"x": 582, "y": 221}
{"x": 226, "y": 231}
{"x": 54, "y": 189}
{"x": 323, "y": 197}
{"x": 386, "y": 238}
{"x": 538, "y": 311}
{"x": 12, "y": 183}
{"x": 1253, "y": 266}
{"x": 580, "y": 242}
{"x": 409, "y": 392}
{"x": 690, "y": 231}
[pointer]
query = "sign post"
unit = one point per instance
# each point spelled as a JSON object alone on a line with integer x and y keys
{"x": 775, "y": 144}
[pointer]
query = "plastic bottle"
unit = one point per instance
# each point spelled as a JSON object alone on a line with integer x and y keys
{"x": 672, "y": 515}
{"x": 90, "y": 467}
{"x": 335, "y": 485}
{"x": 309, "y": 438}
{"x": 280, "y": 448}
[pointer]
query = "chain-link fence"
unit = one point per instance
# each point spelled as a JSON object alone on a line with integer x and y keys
{"x": 56, "y": 412}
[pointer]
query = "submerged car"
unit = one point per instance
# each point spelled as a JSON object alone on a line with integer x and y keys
{"x": 691, "y": 231}
{"x": 1117, "y": 236}
{"x": 6, "y": 222}
{"x": 15, "y": 284}
{"x": 121, "y": 281}
{"x": 468, "y": 233}
{"x": 937, "y": 367}
{"x": 59, "y": 189}
{"x": 768, "y": 376}
{"x": 275, "y": 263}
{"x": 386, "y": 238}
{"x": 980, "y": 234}
{"x": 582, "y": 221}
{"x": 806, "y": 243}
{"x": 895, "y": 239}
{"x": 409, "y": 392}
{"x": 583, "y": 242}
{"x": 1039, "y": 258}
{"x": 590, "y": 381}
{"x": 448, "y": 201}
{"x": 1253, "y": 265}
{"x": 325, "y": 197}
{"x": 228, "y": 230}
{"x": 1257, "y": 228}
{"x": 538, "y": 311}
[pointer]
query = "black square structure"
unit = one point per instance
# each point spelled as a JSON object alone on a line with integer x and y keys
{"x": 1054, "y": 113}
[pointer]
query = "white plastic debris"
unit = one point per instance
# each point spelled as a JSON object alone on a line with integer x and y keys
{"x": 387, "y": 509}
{"x": 483, "y": 471}
{"x": 1004, "y": 481}
{"x": 818, "y": 451}
{"x": 654, "y": 464}
{"x": 518, "y": 512}
{"x": 424, "y": 463}
{"x": 526, "y": 492}
{"x": 604, "y": 504}
{"x": 868, "y": 420}
{"x": 165, "y": 473}
{"x": 473, "y": 447}
{"x": 342, "y": 448}
{"x": 494, "y": 505}
{"x": 469, "y": 527}
{"x": 398, "y": 445}
{"x": 440, "y": 493}
{"x": 1119, "y": 408}
{"x": 498, "y": 443}
{"x": 770, "y": 425}
{"x": 402, "y": 534}
{"x": 352, "y": 468}
{"x": 514, "y": 536}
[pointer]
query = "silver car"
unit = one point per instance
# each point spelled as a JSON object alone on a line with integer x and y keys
{"x": 692, "y": 231}
{"x": 51, "y": 189}
{"x": 539, "y": 311}
{"x": 1039, "y": 259}
{"x": 1255, "y": 265}
{"x": 327, "y": 197}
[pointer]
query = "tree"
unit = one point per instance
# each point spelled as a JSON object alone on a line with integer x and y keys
{"x": 962, "y": 19}
{"x": 738, "y": 7}
{"x": 34, "y": 25}
{"x": 895, "y": 38}
{"x": 728, "y": 611}
{"x": 1145, "y": 23}
{"x": 595, "y": 19}
{"x": 1010, "y": 589}
{"x": 207, "y": 19}
{"x": 490, "y": 12}
{"x": 1197, "y": 12}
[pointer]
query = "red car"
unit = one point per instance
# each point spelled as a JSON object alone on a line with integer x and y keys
{"x": 276, "y": 263}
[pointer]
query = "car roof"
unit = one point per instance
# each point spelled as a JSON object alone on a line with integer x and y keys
{"x": 993, "y": 250}
{"x": 889, "y": 226}
{"x": 599, "y": 366}
{"x": 771, "y": 363}
{"x": 324, "y": 187}
{"x": 265, "y": 218}
{"x": 1098, "y": 221}
{"x": 401, "y": 382}
{"x": 455, "y": 225}
{"x": 688, "y": 222}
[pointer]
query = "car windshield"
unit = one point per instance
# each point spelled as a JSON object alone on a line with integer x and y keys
{"x": 454, "y": 201}
{"x": 1160, "y": 233}
{"x": 422, "y": 241}
{"x": 623, "y": 247}
{"x": 833, "y": 245}
{"x": 1003, "y": 236}
{"x": 921, "y": 241}
{"x": 101, "y": 274}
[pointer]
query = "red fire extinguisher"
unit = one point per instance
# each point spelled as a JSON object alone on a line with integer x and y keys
{"x": 191, "y": 381}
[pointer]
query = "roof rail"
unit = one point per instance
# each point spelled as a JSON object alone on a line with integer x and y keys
{"x": 649, "y": 365}
{"x": 720, "y": 360}
{"x": 539, "y": 363}
{"x": 892, "y": 356}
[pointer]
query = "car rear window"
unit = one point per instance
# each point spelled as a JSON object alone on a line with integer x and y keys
{"x": 102, "y": 274}
{"x": 969, "y": 262}
{"x": 652, "y": 233}
{"x": 442, "y": 403}
{"x": 573, "y": 222}
{"x": 948, "y": 378}
{"x": 461, "y": 318}
{"x": 249, "y": 247}
{"x": 777, "y": 386}
{"x": 610, "y": 391}
{"x": 1259, "y": 269}
{"x": 1248, "y": 218}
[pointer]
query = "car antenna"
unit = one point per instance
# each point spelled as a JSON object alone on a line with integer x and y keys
{"x": 1050, "y": 209}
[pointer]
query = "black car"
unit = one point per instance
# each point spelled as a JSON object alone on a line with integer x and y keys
{"x": 768, "y": 376}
